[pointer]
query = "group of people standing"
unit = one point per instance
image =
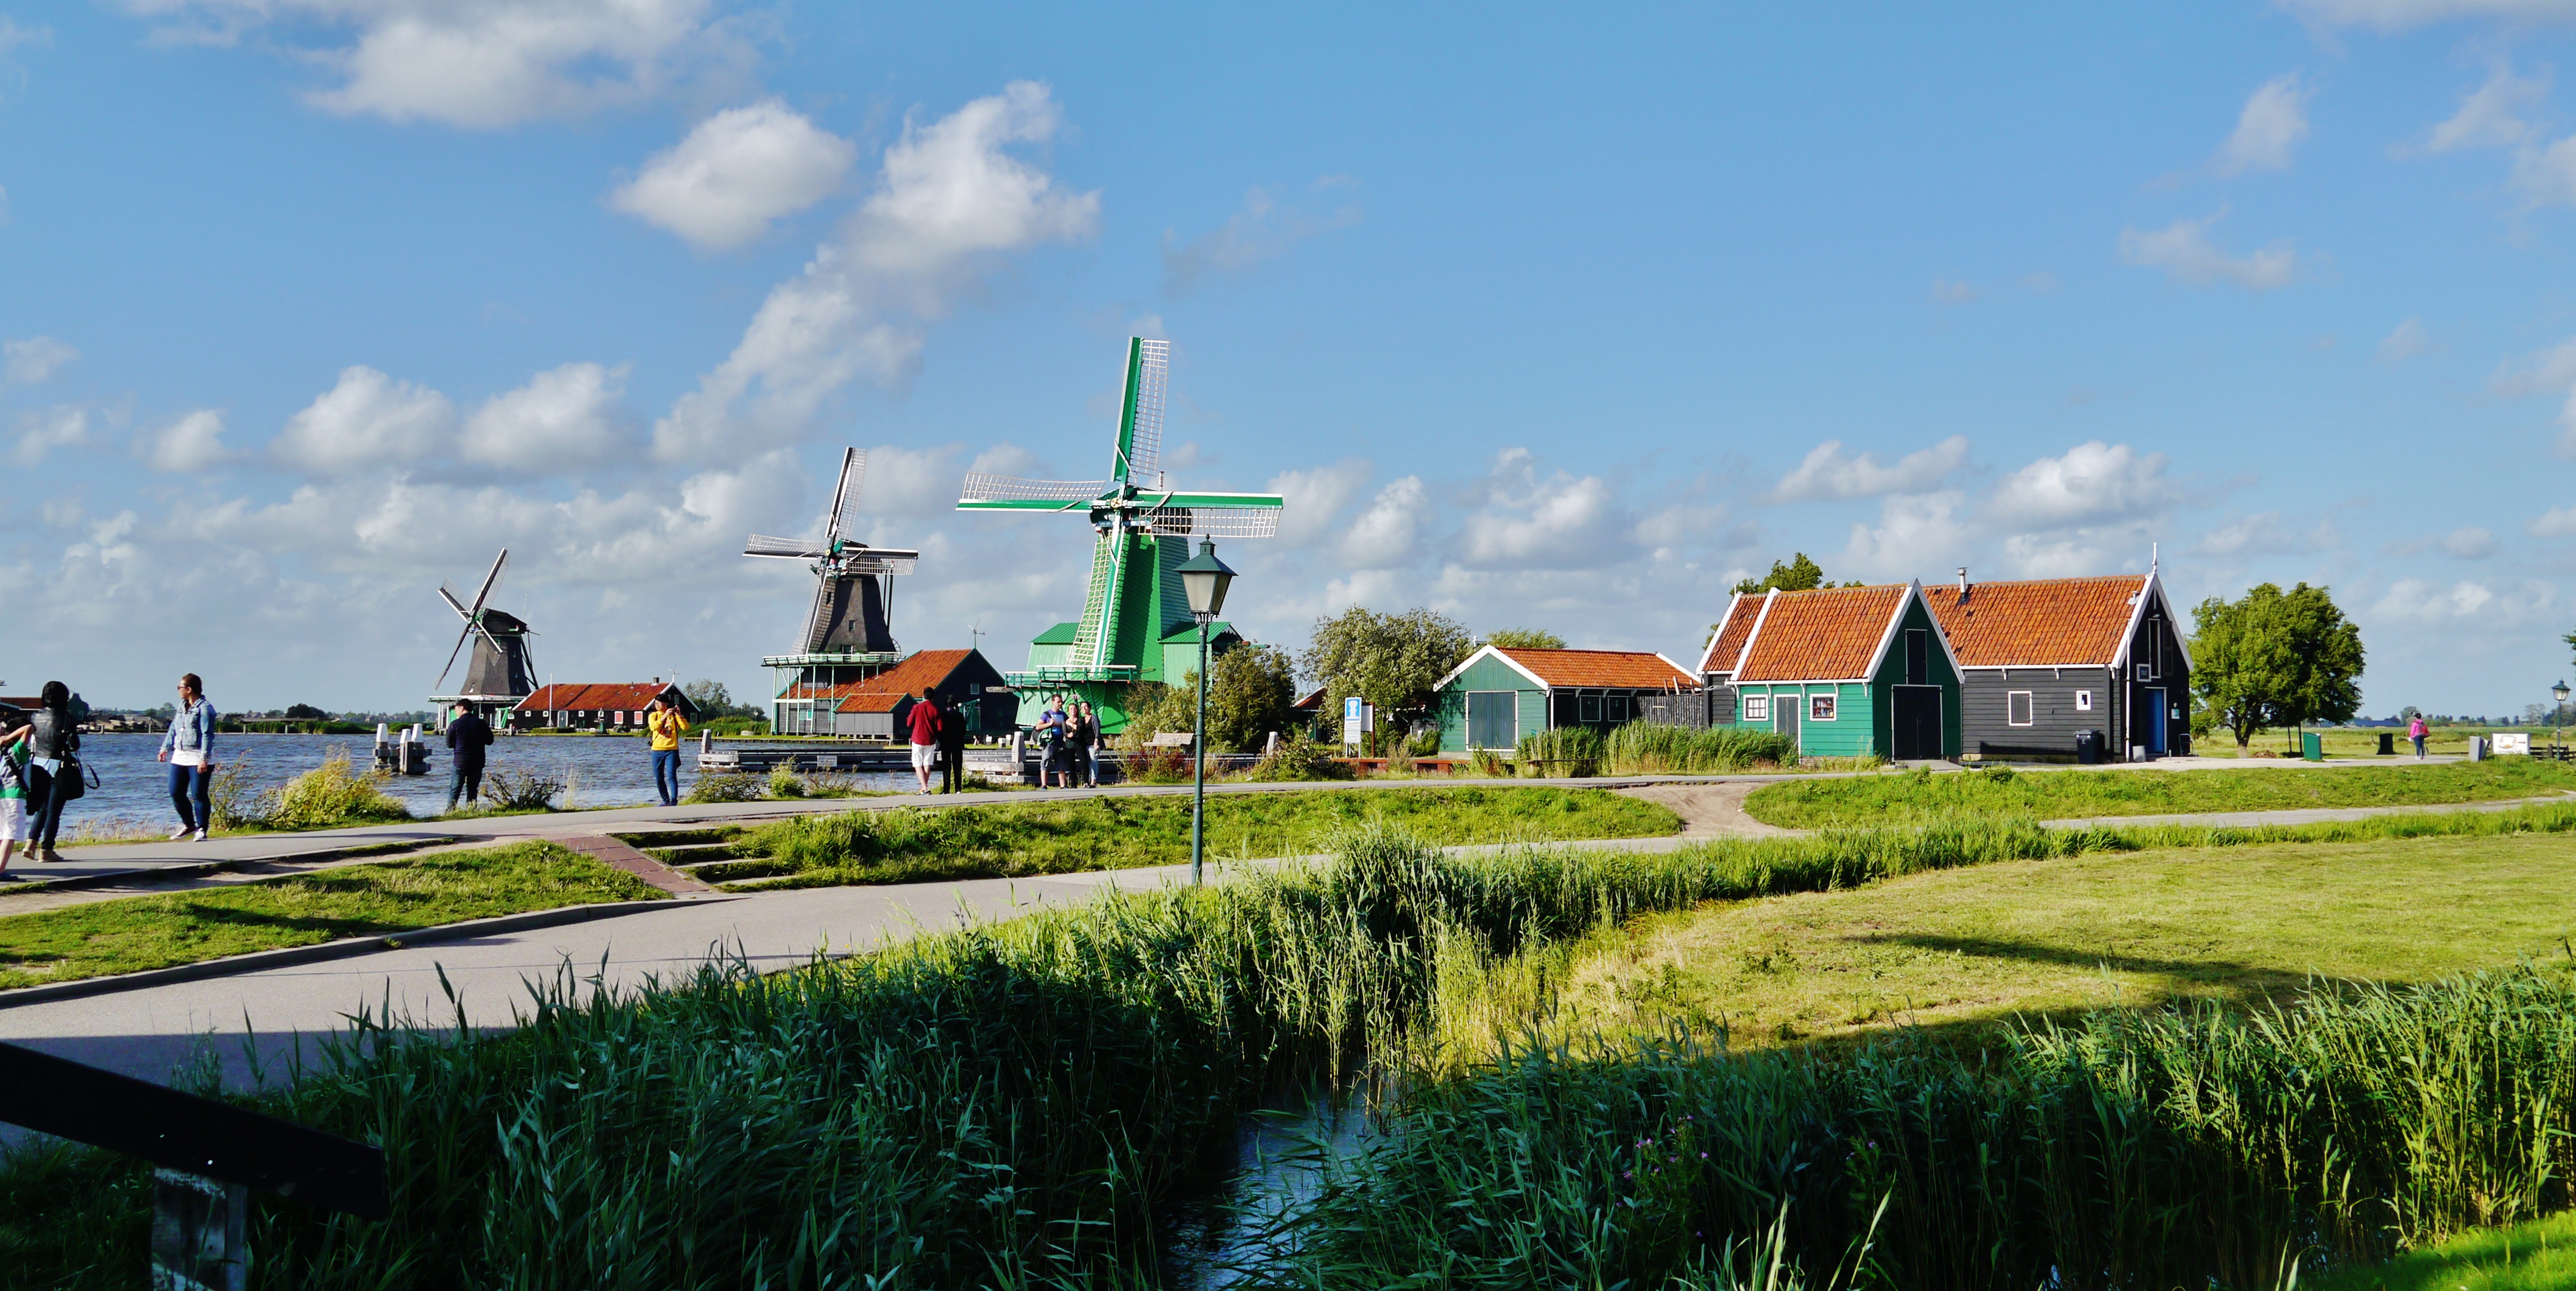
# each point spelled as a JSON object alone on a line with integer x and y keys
{"x": 41, "y": 771}
{"x": 1068, "y": 745}
{"x": 938, "y": 735}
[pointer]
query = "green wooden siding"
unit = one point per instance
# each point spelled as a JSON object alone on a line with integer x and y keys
{"x": 1891, "y": 673}
{"x": 1488, "y": 673}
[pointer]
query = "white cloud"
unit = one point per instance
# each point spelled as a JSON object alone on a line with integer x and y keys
{"x": 2093, "y": 483}
{"x": 738, "y": 170}
{"x": 2461, "y": 544}
{"x": 2430, "y": 601}
{"x": 905, "y": 482}
{"x": 2546, "y": 176}
{"x": 1557, "y": 522}
{"x": 2406, "y": 342}
{"x": 368, "y": 419}
{"x": 1828, "y": 472}
{"x": 2263, "y": 534}
{"x": 1915, "y": 532}
{"x": 1262, "y": 229}
{"x": 561, "y": 420}
{"x": 39, "y": 433}
{"x": 950, "y": 202}
{"x": 1387, "y": 533}
{"x": 2273, "y": 122}
{"x": 1316, "y": 499}
{"x": 2559, "y": 522}
{"x": 2393, "y": 15}
{"x": 191, "y": 444}
{"x": 2494, "y": 115}
{"x": 2183, "y": 250}
{"x": 477, "y": 63}
{"x": 1950, "y": 291}
{"x": 34, "y": 359}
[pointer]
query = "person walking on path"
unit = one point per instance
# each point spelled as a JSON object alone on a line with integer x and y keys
{"x": 467, "y": 737}
{"x": 53, "y": 749}
{"x": 189, "y": 747}
{"x": 1086, "y": 746}
{"x": 2416, "y": 731}
{"x": 923, "y": 721}
{"x": 665, "y": 726}
{"x": 952, "y": 747}
{"x": 13, "y": 794}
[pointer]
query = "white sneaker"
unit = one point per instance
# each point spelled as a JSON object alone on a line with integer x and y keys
{"x": 201, "y": 835}
{"x": 183, "y": 833}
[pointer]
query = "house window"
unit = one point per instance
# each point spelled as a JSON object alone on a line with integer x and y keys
{"x": 1820, "y": 708}
{"x": 1614, "y": 708}
{"x": 2146, "y": 672}
{"x": 1918, "y": 657}
{"x": 1757, "y": 708}
{"x": 1591, "y": 709}
{"x": 2084, "y": 701}
{"x": 2017, "y": 708}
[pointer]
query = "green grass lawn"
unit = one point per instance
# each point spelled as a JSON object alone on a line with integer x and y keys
{"x": 1906, "y": 798}
{"x": 909, "y": 844}
{"x": 2538, "y": 1256}
{"x": 135, "y": 933}
{"x": 1978, "y": 945}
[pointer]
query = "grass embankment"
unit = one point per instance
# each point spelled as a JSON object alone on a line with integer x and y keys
{"x": 2538, "y": 1256}
{"x": 1913, "y": 797}
{"x": 1019, "y": 1105}
{"x": 131, "y": 934}
{"x": 915, "y": 844}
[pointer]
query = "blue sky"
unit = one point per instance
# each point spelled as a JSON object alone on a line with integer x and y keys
{"x": 1542, "y": 319}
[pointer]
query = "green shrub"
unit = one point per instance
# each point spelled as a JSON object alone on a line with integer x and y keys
{"x": 725, "y": 787}
{"x": 1299, "y": 758}
{"x": 784, "y": 783}
{"x": 521, "y": 790}
{"x": 330, "y": 795}
{"x": 1565, "y": 751}
{"x": 1646, "y": 748}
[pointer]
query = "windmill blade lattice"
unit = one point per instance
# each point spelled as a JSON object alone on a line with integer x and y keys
{"x": 1141, "y": 456}
{"x": 999, "y": 491}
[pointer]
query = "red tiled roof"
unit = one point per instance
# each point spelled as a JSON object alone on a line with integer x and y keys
{"x": 1728, "y": 645}
{"x": 1829, "y": 634}
{"x": 591, "y": 697}
{"x": 1640, "y": 669}
{"x": 2042, "y": 621}
{"x": 926, "y": 669}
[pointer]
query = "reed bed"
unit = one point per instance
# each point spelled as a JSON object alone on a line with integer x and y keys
{"x": 1023, "y": 1104}
{"x": 1643, "y": 748}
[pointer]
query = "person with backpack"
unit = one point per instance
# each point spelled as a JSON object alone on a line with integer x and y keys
{"x": 13, "y": 794}
{"x": 2416, "y": 730}
{"x": 952, "y": 746}
{"x": 189, "y": 747}
{"x": 53, "y": 769}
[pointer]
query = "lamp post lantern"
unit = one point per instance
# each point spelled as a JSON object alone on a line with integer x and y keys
{"x": 2559, "y": 693}
{"x": 1204, "y": 579}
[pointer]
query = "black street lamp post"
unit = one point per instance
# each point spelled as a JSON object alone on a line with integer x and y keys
{"x": 2559, "y": 693}
{"x": 1204, "y": 579}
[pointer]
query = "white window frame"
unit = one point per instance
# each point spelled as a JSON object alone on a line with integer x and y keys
{"x": 2029, "y": 708}
{"x": 1757, "y": 708}
{"x": 2146, "y": 672}
{"x": 2084, "y": 701}
{"x": 1821, "y": 708}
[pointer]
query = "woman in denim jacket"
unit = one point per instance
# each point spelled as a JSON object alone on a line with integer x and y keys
{"x": 189, "y": 748}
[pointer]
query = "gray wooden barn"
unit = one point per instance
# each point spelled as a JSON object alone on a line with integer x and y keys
{"x": 2044, "y": 660}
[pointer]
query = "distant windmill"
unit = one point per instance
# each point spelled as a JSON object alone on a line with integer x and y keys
{"x": 1142, "y": 528}
{"x": 500, "y": 671}
{"x": 852, "y": 578}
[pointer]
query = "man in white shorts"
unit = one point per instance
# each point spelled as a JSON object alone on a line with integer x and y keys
{"x": 13, "y": 795}
{"x": 924, "y": 724}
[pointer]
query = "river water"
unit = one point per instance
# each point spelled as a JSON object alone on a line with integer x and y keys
{"x": 603, "y": 771}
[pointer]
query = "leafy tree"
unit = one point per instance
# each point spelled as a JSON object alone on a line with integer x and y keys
{"x": 1391, "y": 660}
{"x": 714, "y": 702}
{"x": 306, "y": 712}
{"x": 1249, "y": 695}
{"x": 2274, "y": 659}
{"x": 1801, "y": 574}
{"x": 1526, "y": 639}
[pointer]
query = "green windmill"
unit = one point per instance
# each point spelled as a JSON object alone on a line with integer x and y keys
{"x": 1135, "y": 624}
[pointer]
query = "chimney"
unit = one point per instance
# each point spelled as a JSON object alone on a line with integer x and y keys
{"x": 1963, "y": 582}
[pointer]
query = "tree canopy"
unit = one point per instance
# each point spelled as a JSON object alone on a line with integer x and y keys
{"x": 1525, "y": 639}
{"x": 1391, "y": 660}
{"x": 1801, "y": 574}
{"x": 2272, "y": 659}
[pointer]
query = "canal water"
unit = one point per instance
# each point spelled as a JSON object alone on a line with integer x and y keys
{"x": 603, "y": 771}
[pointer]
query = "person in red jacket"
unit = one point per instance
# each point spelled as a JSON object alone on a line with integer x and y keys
{"x": 924, "y": 723}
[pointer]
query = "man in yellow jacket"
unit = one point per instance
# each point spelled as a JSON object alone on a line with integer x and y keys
{"x": 662, "y": 721}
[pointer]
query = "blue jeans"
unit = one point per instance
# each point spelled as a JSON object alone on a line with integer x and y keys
{"x": 666, "y": 776}
{"x": 188, "y": 790}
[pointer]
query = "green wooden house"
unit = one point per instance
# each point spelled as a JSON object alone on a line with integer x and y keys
{"x": 1498, "y": 695}
{"x": 1845, "y": 672}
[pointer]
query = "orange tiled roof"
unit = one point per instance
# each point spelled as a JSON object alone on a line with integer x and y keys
{"x": 880, "y": 693}
{"x": 2042, "y": 621}
{"x": 1825, "y": 635}
{"x": 1728, "y": 645}
{"x": 592, "y": 697}
{"x": 1640, "y": 669}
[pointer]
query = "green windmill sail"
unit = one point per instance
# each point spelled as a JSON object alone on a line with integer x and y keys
{"x": 1141, "y": 527}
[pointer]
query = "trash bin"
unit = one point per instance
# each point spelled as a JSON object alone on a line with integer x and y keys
{"x": 2477, "y": 748}
{"x": 2088, "y": 747}
{"x": 2312, "y": 746}
{"x": 2387, "y": 744}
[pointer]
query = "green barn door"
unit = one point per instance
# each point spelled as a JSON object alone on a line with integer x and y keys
{"x": 1493, "y": 719}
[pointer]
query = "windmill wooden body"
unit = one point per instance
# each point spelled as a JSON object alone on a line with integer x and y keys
{"x": 500, "y": 672}
{"x": 849, "y": 634}
{"x": 1135, "y": 625}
